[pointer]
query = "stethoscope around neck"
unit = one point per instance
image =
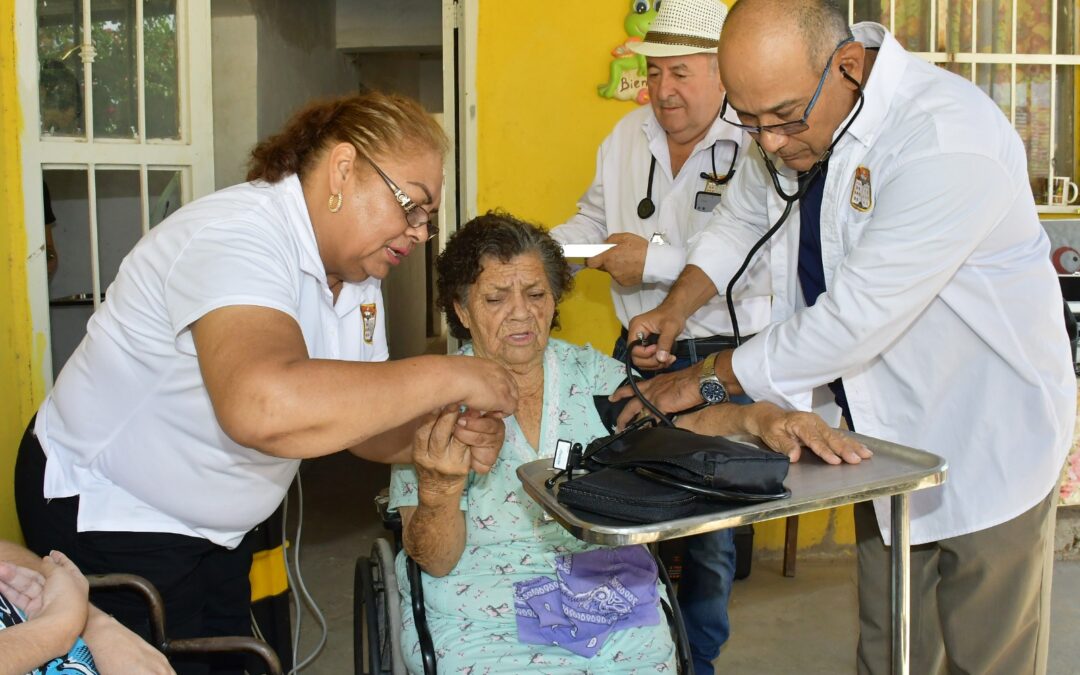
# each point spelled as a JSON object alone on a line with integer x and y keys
{"x": 646, "y": 207}
{"x": 806, "y": 180}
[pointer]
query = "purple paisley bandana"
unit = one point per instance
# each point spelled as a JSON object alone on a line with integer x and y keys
{"x": 595, "y": 593}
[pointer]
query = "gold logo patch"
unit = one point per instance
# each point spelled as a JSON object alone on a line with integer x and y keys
{"x": 368, "y": 312}
{"x": 861, "y": 196}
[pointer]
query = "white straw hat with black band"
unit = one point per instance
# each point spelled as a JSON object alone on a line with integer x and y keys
{"x": 683, "y": 27}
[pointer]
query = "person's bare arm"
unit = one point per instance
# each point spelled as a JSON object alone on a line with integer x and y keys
{"x": 782, "y": 430}
{"x": 483, "y": 434}
{"x": 269, "y": 395}
{"x": 116, "y": 649}
{"x": 393, "y": 446}
{"x": 54, "y": 601}
{"x": 434, "y": 529}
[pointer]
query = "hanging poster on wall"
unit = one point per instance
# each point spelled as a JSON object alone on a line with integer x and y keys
{"x": 626, "y": 72}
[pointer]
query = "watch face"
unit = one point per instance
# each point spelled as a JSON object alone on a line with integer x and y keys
{"x": 713, "y": 392}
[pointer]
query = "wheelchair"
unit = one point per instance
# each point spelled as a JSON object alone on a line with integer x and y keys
{"x": 245, "y": 645}
{"x": 377, "y": 617}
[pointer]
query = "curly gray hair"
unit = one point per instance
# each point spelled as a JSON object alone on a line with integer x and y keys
{"x": 504, "y": 237}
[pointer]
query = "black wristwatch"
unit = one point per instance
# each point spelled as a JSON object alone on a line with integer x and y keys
{"x": 710, "y": 386}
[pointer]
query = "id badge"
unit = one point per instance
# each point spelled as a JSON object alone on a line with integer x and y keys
{"x": 705, "y": 202}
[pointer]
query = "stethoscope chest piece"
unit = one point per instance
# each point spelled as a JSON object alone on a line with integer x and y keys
{"x": 645, "y": 208}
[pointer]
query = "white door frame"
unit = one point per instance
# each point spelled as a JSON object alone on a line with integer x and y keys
{"x": 460, "y": 18}
{"x": 459, "y": 24}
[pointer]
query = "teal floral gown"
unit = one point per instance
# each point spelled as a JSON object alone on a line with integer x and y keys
{"x": 470, "y": 611}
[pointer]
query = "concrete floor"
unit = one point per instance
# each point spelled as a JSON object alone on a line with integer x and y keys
{"x": 804, "y": 625}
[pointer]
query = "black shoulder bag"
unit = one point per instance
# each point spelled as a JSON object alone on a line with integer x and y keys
{"x": 652, "y": 470}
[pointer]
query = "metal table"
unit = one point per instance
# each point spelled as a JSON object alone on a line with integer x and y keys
{"x": 894, "y": 471}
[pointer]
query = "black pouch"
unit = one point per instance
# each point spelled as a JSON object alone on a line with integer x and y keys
{"x": 711, "y": 466}
{"x": 626, "y": 496}
{"x": 654, "y": 471}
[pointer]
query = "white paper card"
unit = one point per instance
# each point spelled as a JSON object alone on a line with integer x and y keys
{"x": 584, "y": 250}
{"x": 562, "y": 454}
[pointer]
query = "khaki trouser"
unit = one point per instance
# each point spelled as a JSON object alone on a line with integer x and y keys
{"x": 980, "y": 603}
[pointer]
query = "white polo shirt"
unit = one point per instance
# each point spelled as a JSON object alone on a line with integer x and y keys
{"x": 129, "y": 426}
{"x": 610, "y": 206}
{"x": 942, "y": 312}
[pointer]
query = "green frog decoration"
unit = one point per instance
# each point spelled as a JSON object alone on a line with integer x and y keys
{"x": 628, "y": 70}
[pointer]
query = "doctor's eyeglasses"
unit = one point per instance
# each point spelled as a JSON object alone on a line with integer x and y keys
{"x": 415, "y": 215}
{"x": 734, "y": 117}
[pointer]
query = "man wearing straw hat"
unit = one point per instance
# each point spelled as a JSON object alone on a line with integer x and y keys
{"x": 659, "y": 175}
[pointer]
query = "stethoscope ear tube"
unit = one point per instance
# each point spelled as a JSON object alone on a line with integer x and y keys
{"x": 789, "y": 201}
{"x": 746, "y": 263}
{"x": 645, "y": 207}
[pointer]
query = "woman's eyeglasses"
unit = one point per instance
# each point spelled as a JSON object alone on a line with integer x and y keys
{"x": 415, "y": 215}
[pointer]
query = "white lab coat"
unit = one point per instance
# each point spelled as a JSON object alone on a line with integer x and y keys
{"x": 942, "y": 311}
{"x": 610, "y": 206}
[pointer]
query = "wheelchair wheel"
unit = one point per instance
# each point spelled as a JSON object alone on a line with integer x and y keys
{"x": 377, "y": 614}
{"x": 365, "y": 620}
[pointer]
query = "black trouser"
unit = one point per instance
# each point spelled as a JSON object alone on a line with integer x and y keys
{"x": 205, "y": 587}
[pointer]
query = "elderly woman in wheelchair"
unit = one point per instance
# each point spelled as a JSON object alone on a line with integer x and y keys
{"x": 489, "y": 554}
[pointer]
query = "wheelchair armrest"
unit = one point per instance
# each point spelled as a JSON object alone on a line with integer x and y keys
{"x": 149, "y": 594}
{"x": 232, "y": 644}
{"x": 391, "y": 520}
{"x": 427, "y": 645}
{"x": 206, "y": 645}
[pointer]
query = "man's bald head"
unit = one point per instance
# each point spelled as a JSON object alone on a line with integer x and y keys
{"x": 819, "y": 24}
{"x": 781, "y": 83}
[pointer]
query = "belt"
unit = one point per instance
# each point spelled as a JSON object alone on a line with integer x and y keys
{"x": 701, "y": 346}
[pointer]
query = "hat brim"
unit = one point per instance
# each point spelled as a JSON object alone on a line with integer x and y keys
{"x": 657, "y": 49}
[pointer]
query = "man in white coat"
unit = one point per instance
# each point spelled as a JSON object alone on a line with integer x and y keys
{"x": 914, "y": 278}
{"x": 659, "y": 175}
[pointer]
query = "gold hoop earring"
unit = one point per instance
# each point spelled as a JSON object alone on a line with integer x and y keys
{"x": 335, "y": 202}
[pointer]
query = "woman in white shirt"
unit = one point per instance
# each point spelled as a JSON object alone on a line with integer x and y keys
{"x": 241, "y": 335}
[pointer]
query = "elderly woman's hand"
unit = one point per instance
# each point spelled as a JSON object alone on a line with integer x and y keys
{"x": 442, "y": 461}
{"x": 484, "y": 433}
{"x": 787, "y": 432}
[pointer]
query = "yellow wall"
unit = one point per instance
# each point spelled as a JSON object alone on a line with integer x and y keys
{"x": 20, "y": 368}
{"x": 539, "y": 123}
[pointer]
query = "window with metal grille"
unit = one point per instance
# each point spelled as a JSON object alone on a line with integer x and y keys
{"x": 1022, "y": 53}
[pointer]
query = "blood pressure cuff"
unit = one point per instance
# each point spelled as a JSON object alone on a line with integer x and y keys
{"x": 657, "y": 473}
{"x": 624, "y": 495}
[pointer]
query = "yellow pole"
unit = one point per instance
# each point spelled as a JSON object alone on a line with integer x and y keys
{"x": 20, "y": 358}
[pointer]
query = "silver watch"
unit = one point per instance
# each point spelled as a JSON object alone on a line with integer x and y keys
{"x": 710, "y": 386}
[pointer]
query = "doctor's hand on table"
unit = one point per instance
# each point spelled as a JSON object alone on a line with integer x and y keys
{"x": 782, "y": 430}
{"x": 626, "y": 261}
